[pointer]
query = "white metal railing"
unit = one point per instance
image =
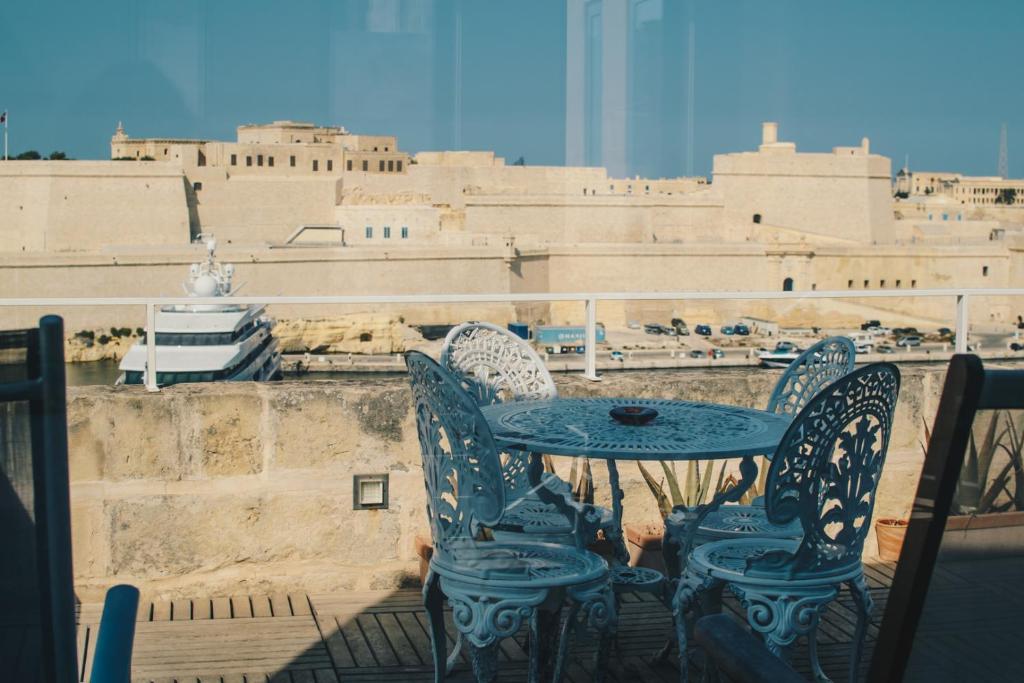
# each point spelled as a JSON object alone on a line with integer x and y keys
{"x": 961, "y": 297}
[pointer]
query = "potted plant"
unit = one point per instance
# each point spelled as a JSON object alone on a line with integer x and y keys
{"x": 988, "y": 509}
{"x": 645, "y": 539}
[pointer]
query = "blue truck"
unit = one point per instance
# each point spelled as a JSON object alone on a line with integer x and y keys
{"x": 574, "y": 335}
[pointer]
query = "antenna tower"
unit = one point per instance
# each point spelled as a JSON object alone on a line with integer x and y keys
{"x": 1004, "y": 164}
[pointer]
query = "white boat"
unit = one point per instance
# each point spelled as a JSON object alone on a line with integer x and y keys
{"x": 208, "y": 343}
{"x": 781, "y": 357}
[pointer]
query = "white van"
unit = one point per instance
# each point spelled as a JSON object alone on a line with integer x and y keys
{"x": 864, "y": 342}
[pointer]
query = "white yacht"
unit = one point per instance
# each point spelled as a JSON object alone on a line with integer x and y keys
{"x": 781, "y": 356}
{"x": 208, "y": 343}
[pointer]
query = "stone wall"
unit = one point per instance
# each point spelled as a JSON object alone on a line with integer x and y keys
{"x": 222, "y": 488}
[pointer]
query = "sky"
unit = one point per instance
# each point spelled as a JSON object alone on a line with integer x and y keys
{"x": 932, "y": 80}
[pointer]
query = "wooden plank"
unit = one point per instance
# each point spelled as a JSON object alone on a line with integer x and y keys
{"x": 161, "y": 610}
{"x": 202, "y": 608}
{"x": 279, "y": 606}
{"x": 181, "y": 610}
{"x": 377, "y": 641}
{"x": 326, "y": 676}
{"x": 241, "y": 607}
{"x": 221, "y": 608}
{"x": 357, "y": 645}
{"x": 261, "y": 606}
{"x": 144, "y": 611}
{"x": 300, "y": 604}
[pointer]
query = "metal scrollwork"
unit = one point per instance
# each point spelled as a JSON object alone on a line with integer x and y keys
{"x": 812, "y": 371}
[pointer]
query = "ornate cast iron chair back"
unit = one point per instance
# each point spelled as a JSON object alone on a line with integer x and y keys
{"x": 461, "y": 468}
{"x": 810, "y": 372}
{"x": 495, "y": 365}
{"x": 826, "y": 471}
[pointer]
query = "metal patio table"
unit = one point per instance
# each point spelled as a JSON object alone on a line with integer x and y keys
{"x": 682, "y": 431}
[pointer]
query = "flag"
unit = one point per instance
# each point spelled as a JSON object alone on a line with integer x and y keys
{"x": 3, "y": 118}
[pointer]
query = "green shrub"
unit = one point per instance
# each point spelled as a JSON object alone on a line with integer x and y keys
{"x": 103, "y": 340}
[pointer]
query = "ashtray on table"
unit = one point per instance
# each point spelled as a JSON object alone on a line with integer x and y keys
{"x": 633, "y": 415}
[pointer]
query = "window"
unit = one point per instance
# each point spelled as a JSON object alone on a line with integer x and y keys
{"x": 387, "y": 232}
{"x": 374, "y": 149}
{"x": 248, "y": 161}
{"x": 234, "y": 159}
{"x": 787, "y": 285}
{"x": 365, "y": 337}
{"x": 398, "y": 165}
{"x": 381, "y": 165}
{"x": 165, "y": 151}
{"x": 259, "y": 159}
{"x": 984, "y": 271}
{"x": 200, "y": 158}
{"x": 196, "y": 186}
{"x": 881, "y": 283}
{"x": 898, "y": 283}
{"x": 348, "y": 165}
{"x": 913, "y": 284}
{"x": 366, "y": 165}
{"x": 385, "y": 149}
{"x": 867, "y": 284}
{"x": 849, "y": 284}
{"x": 405, "y": 232}
{"x": 814, "y": 286}
{"x": 757, "y": 218}
{"x": 270, "y": 161}
{"x": 369, "y": 232}
{"x": 291, "y": 160}
{"x": 316, "y": 165}
{"x": 330, "y": 164}
{"x": 391, "y": 166}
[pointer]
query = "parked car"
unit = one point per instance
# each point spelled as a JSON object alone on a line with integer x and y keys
{"x": 703, "y": 330}
{"x": 908, "y": 341}
{"x": 652, "y": 328}
{"x": 668, "y": 331}
{"x": 878, "y": 330}
{"x": 906, "y": 331}
{"x": 551, "y": 349}
{"x": 581, "y": 349}
{"x": 696, "y": 353}
{"x": 944, "y": 332}
{"x": 716, "y": 353}
{"x": 884, "y": 348}
{"x": 741, "y": 329}
{"x": 728, "y": 330}
{"x": 633, "y": 325}
{"x": 864, "y": 348}
{"x": 870, "y": 323}
{"x": 617, "y": 355}
{"x": 1016, "y": 346}
{"x": 679, "y": 325}
{"x": 568, "y": 349}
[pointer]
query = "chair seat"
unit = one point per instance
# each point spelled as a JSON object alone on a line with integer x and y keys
{"x": 532, "y": 516}
{"x": 643, "y": 579}
{"x": 527, "y": 565}
{"x": 727, "y": 561}
{"x": 740, "y": 521}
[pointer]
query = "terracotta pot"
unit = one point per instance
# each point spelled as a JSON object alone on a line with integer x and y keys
{"x": 890, "y": 534}
{"x": 424, "y": 551}
{"x": 645, "y": 545}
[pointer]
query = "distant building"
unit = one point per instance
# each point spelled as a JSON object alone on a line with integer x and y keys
{"x": 981, "y": 191}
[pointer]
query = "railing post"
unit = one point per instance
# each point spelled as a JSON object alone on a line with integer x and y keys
{"x": 961, "y": 324}
{"x": 151, "y": 348}
{"x": 591, "y": 341}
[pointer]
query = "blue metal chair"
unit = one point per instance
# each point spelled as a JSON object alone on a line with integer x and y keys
{"x": 824, "y": 473}
{"x": 493, "y": 587}
{"x": 811, "y": 371}
{"x": 494, "y": 366}
{"x": 37, "y": 597}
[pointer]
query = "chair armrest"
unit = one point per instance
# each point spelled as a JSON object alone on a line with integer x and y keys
{"x": 739, "y": 654}
{"x": 112, "y": 656}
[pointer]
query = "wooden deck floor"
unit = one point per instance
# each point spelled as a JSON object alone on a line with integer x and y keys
{"x": 382, "y": 636}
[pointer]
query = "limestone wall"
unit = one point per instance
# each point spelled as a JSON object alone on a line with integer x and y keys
{"x": 58, "y": 206}
{"x": 215, "y": 489}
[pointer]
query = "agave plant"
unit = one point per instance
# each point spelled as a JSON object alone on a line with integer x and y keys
{"x": 668, "y": 492}
{"x": 977, "y": 490}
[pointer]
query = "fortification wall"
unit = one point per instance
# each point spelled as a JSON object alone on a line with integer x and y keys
{"x": 57, "y": 206}
{"x": 241, "y": 487}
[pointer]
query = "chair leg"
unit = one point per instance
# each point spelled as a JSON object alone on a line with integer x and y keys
{"x": 484, "y": 661}
{"x": 433, "y": 602}
{"x": 862, "y": 598}
{"x": 688, "y": 597}
{"x": 563, "y": 641}
{"x": 812, "y": 652}
{"x": 543, "y": 624}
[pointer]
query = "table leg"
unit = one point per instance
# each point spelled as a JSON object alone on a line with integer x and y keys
{"x": 615, "y": 535}
{"x": 694, "y": 515}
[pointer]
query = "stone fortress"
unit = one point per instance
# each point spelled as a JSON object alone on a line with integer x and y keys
{"x": 310, "y": 210}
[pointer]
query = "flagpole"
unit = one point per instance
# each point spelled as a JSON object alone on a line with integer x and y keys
{"x": 5, "y": 136}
